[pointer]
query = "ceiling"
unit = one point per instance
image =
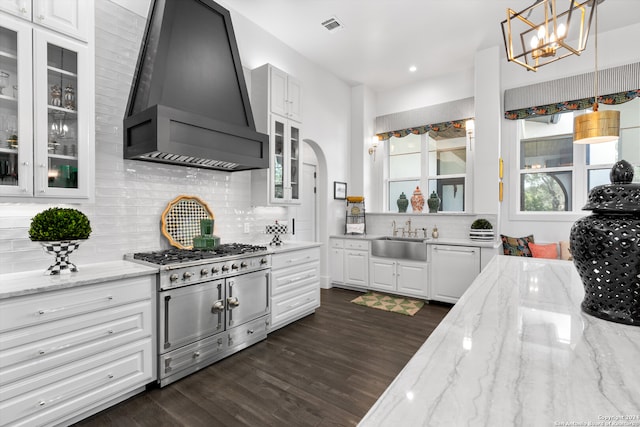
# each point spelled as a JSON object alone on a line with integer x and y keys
{"x": 381, "y": 39}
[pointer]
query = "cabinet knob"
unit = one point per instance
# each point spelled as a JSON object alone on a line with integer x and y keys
{"x": 41, "y": 17}
{"x": 23, "y": 10}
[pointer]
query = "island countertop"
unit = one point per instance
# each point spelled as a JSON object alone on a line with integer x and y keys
{"x": 517, "y": 350}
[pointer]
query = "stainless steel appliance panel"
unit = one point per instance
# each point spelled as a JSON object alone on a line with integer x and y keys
{"x": 190, "y": 313}
{"x": 190, "y": 358}
{"x": 247, "y": 297}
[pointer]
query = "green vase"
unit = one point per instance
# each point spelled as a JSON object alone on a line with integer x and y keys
{"x": 434, "y": 202}
{"x": 403, "y": 202}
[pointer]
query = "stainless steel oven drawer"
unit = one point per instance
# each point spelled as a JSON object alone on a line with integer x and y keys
{"x": 190, "y": 358}
{"x": 248, "y": 334}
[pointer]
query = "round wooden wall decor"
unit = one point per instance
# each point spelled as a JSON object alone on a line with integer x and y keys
{"x": 181, "y": 220}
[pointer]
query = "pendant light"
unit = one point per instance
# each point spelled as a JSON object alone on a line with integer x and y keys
{"x": 542, "y": 34}
{"x": 598, "y": 126}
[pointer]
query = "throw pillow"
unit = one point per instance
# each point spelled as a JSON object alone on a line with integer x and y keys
{"x": 516, "y": 246}
{"x": 565, "y": 251}
{"x": 549, "y": 251}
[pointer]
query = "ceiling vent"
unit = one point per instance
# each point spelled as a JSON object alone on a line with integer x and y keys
{"x": 332, "y": 24}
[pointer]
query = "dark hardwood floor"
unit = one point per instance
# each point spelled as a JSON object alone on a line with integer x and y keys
{"x": 327, "y": 369}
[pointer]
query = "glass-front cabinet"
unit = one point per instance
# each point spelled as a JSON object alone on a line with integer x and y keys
{"x": 46, "y": 113}
{"x": 285, "y": 161}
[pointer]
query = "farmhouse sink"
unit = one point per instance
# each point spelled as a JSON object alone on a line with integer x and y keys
{"x": 410, "y": 248}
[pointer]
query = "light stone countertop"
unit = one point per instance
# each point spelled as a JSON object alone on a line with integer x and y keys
{"x": 517, "y": 350}
{"x": 32, "y": 282}
{"x": 430, "y": 240}
{"x": 292, "y": 246}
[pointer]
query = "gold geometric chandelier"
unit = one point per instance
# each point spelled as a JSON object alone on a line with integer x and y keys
{"x": 542, "y": 34}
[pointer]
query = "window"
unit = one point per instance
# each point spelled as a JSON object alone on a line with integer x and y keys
{"x": 556, "y": 175}
{"x": 436, "y": 160}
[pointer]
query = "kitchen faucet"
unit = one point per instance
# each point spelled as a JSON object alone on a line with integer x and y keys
{"x": 408, "y": 224}
{"x": 395, "y": 230}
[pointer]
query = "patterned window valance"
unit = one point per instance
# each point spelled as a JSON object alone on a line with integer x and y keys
{"x": 576, "y": 105}
{"x": 437, "y": 128}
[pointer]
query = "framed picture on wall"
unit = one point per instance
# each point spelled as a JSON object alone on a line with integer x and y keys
{"x": 339, "y": 190}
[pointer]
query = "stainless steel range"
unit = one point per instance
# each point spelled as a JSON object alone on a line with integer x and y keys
{"x": 211, "y": 304}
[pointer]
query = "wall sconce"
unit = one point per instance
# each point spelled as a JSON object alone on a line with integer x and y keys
{"x": 375, "y": 141}
{"x": 470, "y": 126}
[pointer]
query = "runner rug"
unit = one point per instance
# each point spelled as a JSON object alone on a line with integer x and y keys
{"x": 395, "y": 304}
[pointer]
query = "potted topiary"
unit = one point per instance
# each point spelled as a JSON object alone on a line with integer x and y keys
{"x": 59, "y": 231}
{"x": 481, "y": 229}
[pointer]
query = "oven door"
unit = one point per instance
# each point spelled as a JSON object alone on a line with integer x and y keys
{"x": 247, "y": 297}
{"x": 190, "y": 313}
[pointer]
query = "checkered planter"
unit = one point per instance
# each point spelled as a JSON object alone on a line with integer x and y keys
{"x": 276, "y": 230}
{"x": 61, "y": 251}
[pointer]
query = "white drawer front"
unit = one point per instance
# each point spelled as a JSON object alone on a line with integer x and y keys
{"x": 356, "y": 244}
{"x": 291, "y": 278}
{"x": 41, "y": 308}
{"x": 74, "y": 388}
{"x": 336, "y": 243}
{"x": 288, "y": 259}
{"x": 289, "y": 306}
{"x": 28, "y": 351}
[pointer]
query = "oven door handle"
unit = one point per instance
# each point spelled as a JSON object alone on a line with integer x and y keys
{"x": 166, "y": 344}
{"x": 232, "y": 302}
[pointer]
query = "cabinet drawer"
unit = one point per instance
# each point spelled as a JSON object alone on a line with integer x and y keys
{"x": 336, "y": 243}
{"x": 291, "y": 278}
{"x": 356, "y": 244}
{"x": 29, "y": 351}
{"x": 74, "y": 388}
{"x": 289, "y": 306}
{"x": 46, "y": 307}
{"x": 288, "y": 259}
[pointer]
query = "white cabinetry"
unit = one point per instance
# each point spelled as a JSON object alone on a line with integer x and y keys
{"x": 295, "y": 290}
{"x": 400, "y": 276}
{"x": 453, "y": 270}
{"x": 275, "y": 100}
{"x": 47, "y": 107}
{"x": 67, "y": 353}
{"x": 286, "y": 93}
{"x": 336, "y": 260}
{"x": 66, "y": 16}
{"x": 356, "y": 263}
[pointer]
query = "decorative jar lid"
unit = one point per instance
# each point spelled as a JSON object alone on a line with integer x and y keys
{"x": 621, "y": 196}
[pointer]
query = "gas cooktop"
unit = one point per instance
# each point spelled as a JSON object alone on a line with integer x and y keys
{"x": 177, "y": 256}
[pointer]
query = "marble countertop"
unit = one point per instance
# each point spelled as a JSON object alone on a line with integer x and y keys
{"x": 31, "y": 282}
{"x": 430, "y": 240}
{"x": 293, "y": 246}
{"x": 517, "y": 350}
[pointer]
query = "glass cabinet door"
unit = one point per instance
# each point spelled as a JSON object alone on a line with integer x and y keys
{"x": 61, "y": 117}
{"x": 15, "y": 109}
{"x": 294, "y": 161}
{"x": 278, "y": 160}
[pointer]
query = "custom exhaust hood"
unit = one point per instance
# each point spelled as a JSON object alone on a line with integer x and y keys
{"x": 189, "y": 103}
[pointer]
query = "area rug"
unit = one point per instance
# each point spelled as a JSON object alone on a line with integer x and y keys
{"x": 395, "y": 304}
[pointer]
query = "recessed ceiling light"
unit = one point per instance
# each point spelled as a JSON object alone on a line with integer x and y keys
{"x": 413, "y": 68}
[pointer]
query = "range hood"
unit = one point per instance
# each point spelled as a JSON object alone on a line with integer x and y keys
{"x": 189, "y": 103}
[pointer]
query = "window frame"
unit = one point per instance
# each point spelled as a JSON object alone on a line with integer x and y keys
{"x": 425, "y": 175}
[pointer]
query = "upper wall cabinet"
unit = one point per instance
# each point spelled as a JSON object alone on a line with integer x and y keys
{"x": 66, "y": 16}
{"x": 46, "y": 112}
{"x": 275, "y": 101}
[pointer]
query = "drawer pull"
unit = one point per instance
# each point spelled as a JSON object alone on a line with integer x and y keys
{"x": 457, "y": 251}
{"x": 250, "y": 331}
{"x": 67, "y": 307}
{"x": 297, "y": 279}
{"x": 298, "y": 259}
{"x": 76, "y": 392}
